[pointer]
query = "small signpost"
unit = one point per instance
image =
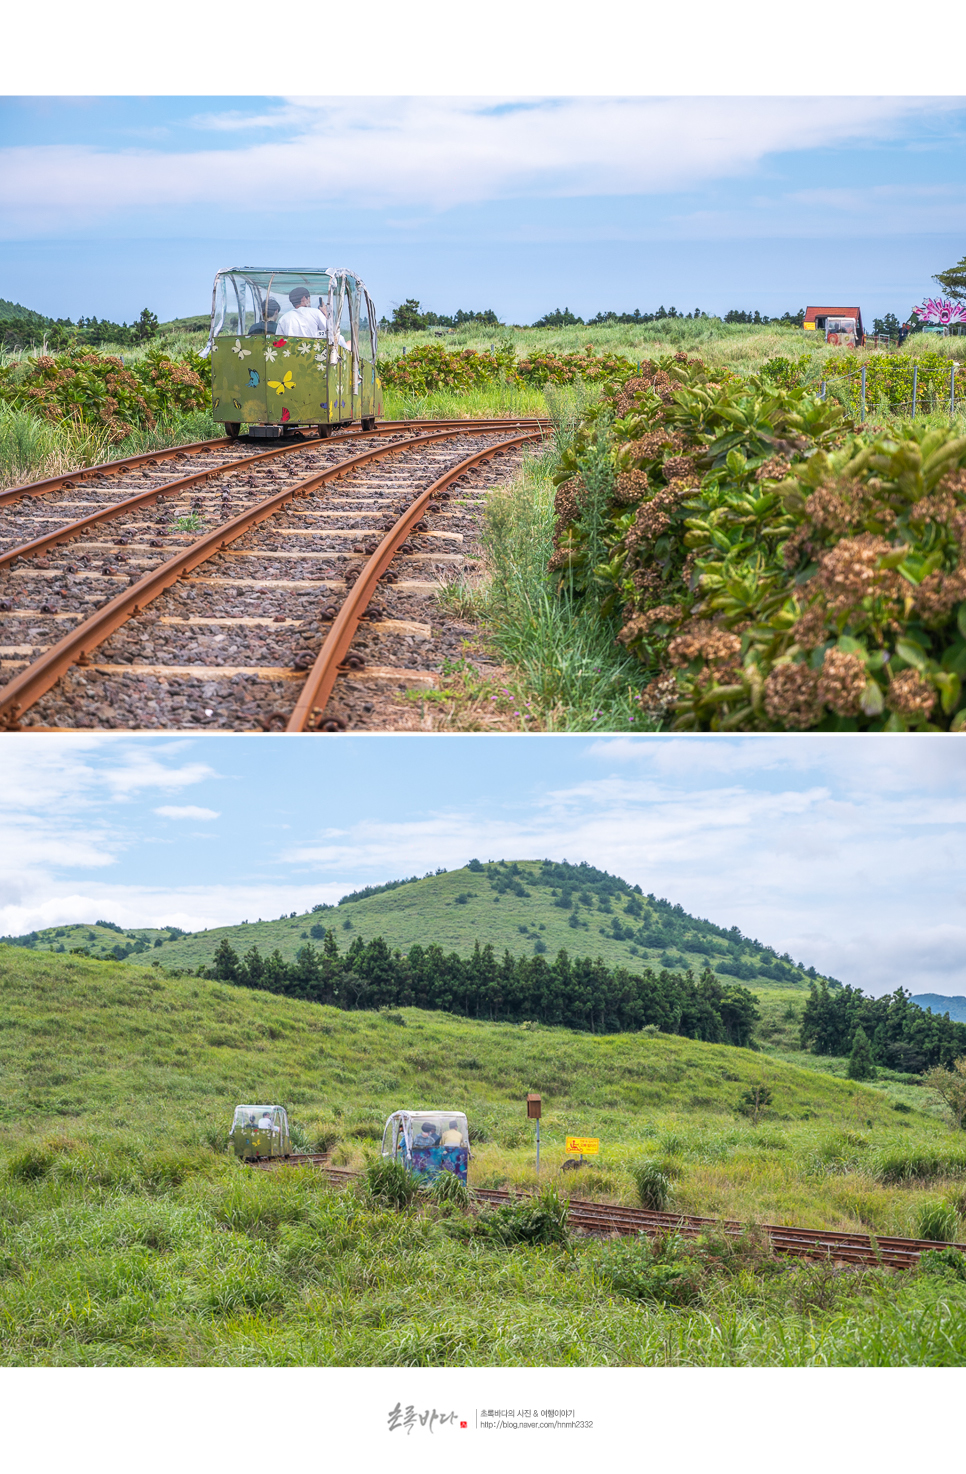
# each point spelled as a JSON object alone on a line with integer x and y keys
{"x": 533, "y": 1114}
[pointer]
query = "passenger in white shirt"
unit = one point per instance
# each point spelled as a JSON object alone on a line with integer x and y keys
{"x": 304, "y": 320}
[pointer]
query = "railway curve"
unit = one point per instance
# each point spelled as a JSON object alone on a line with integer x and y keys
{"x": 74, "y": 682}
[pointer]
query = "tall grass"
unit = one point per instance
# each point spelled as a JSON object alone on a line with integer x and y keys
{"x": 566, "y": 671}
{"x": 32, "y": 448}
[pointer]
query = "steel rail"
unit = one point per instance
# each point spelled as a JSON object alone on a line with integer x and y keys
{"x": 37, "y": 678}
{"x": 196, "y": 447}
{"x": 803, "y": 1243}
{"x": 322, "y": 677}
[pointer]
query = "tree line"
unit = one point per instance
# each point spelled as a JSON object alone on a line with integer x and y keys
{"x": 901, "y": 1035}
{"x": 579, "y": 993}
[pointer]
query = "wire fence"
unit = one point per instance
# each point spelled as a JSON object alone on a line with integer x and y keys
{"x": 897, "y": 387}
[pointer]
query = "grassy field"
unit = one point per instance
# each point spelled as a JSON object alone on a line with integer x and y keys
{"x": 430, "y": 910}
{"x": 127, "y": 1237}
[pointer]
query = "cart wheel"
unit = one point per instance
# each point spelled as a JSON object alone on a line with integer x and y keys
{"x": 233, "y": 429}
{"x": 368, "y": 422}
{"x": 324, "y": 431}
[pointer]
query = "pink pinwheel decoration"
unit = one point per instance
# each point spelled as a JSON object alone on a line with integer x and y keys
{"x": 939, "y": 309}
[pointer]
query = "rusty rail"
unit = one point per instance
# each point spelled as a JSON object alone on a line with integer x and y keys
{"x": 196, "y": 447}
{"x": 322, "y": 677}
{"x": 75, "y": 648}
{"x": 606, "y": 1218}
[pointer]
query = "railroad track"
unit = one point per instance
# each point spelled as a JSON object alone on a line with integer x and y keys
{"x": 829, "y": 1245}
{"x": 234, "y": 595}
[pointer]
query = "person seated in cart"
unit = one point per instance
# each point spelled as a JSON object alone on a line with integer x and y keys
{"x": 302, "y": 320}
{"x": 452, "y": 1136}
{"x": 428, "y": 1136}
{"x": 270, "y": 324}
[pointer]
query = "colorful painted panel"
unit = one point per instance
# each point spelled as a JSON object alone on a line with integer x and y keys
{"x": 428, "y": 1162}
{"x": 278, "y": 381}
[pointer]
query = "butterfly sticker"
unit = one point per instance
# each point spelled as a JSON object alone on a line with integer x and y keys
{"x": 253, "y": 378}
{"x": 243, "y": 353}
{"x": 236, "y": 404}
{"x": 279, "y": 342}
{"x": 286, "y": 382}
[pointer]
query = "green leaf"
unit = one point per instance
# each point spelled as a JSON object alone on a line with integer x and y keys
{"x": 961, "y": 619}
{"x": 912, "y": 654}
{"x": 872, "y": 701}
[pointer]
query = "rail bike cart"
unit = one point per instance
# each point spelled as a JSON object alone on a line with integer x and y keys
{"x": 292, "y": 350}
{"x": 259, "y": 1131}
{"x": 428, "y": 1142}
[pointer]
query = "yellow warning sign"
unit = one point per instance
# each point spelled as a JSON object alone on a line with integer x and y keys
{"x": 587, "y": 1146}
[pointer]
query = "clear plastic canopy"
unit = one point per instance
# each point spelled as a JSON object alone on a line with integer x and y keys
{"x": 261, "y": 1117}
{"x": 248, "y": 300}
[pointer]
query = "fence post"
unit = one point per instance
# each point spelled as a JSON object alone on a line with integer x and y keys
{"x": 862, "y": 415}
{"x": 822, "y": 390}
{"x": 952, "y": 388}
{"x": 915, "y": 381}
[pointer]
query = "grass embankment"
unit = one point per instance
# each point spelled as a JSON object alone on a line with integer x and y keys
{"x": 128, "y": 1237}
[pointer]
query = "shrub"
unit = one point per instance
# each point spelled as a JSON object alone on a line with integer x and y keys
{"x": 658, "y": 1271}
{"x": 97, "y": 389}
{"x": 948, "y": 1262}
{"x": 938, "y": 1221}
{"x": 653, "y": 1186}
{"x": 448, "y": 1188}
{"x": 753, "y": 1103}
{"x": 390, "y": 1184}
{"x": 541, "y": 1219}
{"x": 776, "y": 568}
{"x": 325, "y": 1139}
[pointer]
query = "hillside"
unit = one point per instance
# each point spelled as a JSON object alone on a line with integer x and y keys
{"x": 527, "y": 907}
{"x": 13, "y": 312}
{"x": 128, "y": 1237}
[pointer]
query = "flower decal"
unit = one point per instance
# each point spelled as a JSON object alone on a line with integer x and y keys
{"x": 305, "y": 347}
{"x": 243, "y": 353}
{"x": 286, "y": 382}
{"x": 279, "y": 342}
{"x": 270, "y": 355}
{"x": 287, "y": 353}
{"x": 286, "y": 416}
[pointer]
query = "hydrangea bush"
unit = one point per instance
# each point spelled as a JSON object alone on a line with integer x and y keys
{"x": 100, "y": 390}
{"x": 434, "y": 367}
{"x": 775, "y": 567}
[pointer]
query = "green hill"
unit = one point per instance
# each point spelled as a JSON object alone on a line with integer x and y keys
{"x": 527, "y": 907}
{"x": 128, "y": 1237}
{"x": 13, "y": 312}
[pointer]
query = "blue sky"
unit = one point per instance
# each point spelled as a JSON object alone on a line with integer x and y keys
{"x": 846, "y": 852}
{"x": 524, "y": 204}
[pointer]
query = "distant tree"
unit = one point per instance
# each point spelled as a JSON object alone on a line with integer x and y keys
{"x": 886, "y": 327}
{"x": 146, "y": 326}
{"x": 559, "y": 319}
{"x": 474, "y": 865}
{"x": 225, "y": 964}
{"x": 861, "y": 1066}
{"x": 950, "y": 1086}
{"x": 406, "y": 318}
{"x": 953, "y": 280}
{"x": 753, "y": 1103}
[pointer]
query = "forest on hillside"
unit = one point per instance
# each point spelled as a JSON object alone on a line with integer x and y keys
{"x": 575, "y": 993}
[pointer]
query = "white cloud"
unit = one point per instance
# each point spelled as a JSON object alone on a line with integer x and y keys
{"x": 193, "y": 908}
{"x": 438, "y": 152}
{"x": 186, "y": 811}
